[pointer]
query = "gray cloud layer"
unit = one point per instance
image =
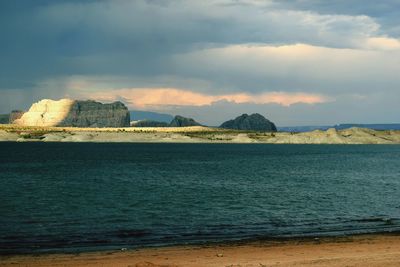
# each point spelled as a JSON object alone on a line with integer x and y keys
{"x": 348, "y": 48}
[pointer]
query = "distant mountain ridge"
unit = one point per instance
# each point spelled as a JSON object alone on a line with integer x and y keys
{"x": 180, "y": 121}
{"x": 177, "y": 121}
{"x": 139, "y": 115}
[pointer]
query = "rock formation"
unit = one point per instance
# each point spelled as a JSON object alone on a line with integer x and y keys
{"x": 254, "y": 122}
{"x": 180, "y": 121}
{"x": 75, "y": 113}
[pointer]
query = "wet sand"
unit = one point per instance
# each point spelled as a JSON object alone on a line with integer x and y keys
{"x": 364, "y": 250}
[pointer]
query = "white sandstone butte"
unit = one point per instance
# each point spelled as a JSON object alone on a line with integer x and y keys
{"x": 75, "y": 113}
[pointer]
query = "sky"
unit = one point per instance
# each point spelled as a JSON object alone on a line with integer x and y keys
{"x": 297, "y": 62}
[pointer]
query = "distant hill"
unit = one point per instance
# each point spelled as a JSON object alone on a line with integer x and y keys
{"x": 179, "y": 121}
{"x": 138, "y": 115}
{"x": 253, "y": 122}
{"x": 300, "y": 129}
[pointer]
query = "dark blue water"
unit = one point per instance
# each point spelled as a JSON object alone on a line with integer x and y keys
{"x": 83, "y": 196}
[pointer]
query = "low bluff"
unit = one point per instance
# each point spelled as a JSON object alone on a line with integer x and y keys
{"x": 75, "y": 113}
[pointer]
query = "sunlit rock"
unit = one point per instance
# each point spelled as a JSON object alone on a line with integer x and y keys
{"x": 75, "y": 113}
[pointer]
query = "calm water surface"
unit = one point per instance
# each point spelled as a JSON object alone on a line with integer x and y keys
{"x": 68, "y": 197}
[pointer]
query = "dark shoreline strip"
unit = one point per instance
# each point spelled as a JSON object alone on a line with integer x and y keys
{"x": 259, "y": 241}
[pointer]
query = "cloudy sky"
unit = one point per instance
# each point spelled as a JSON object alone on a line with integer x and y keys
{"x": 297, "y": 62}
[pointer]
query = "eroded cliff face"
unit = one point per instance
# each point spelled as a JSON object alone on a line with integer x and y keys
{"x": 75, "y": 113}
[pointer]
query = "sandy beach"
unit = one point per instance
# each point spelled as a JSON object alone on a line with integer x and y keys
{"x": 363, "y": 250}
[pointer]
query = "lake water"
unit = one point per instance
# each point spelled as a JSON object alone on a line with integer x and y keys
{"x": 71, "y": 197}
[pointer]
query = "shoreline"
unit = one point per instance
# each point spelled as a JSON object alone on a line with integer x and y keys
{"x": 194, "y": 134}
{"x": 209, "y": 243}
{"x": 353, "y": 250}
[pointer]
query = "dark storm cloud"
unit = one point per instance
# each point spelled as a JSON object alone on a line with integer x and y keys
{"x": 42, "y": 39}
{"x": 217, "y": 47}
